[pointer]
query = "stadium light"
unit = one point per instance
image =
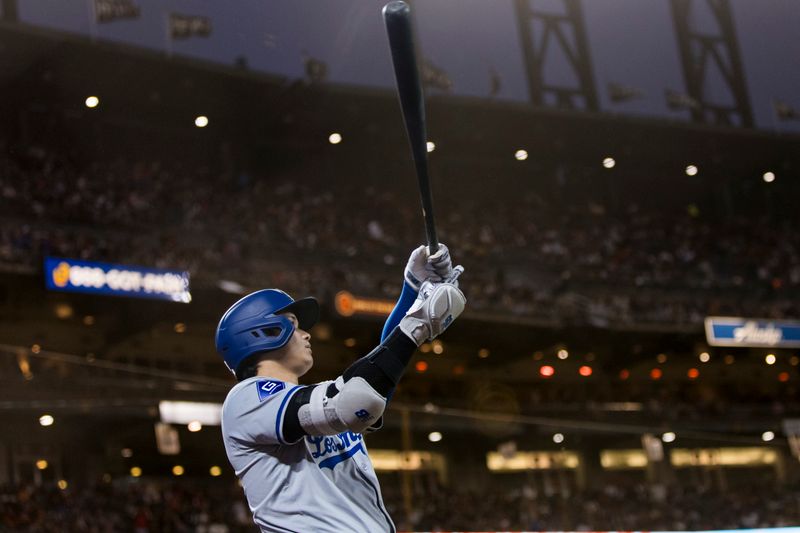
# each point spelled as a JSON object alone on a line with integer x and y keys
{"x": 180, "y": 327}
{"x": 668, "y": 437}
{"x": 547, "y": 371}
{"x": 126, "y": 453}
{"x": 783, "y": 377}
{"x": 194, "y": 426}
{"x": 691, "y": 170}
{"x": 767, "y": 436}
{"x": 434, "y": 436}
{"x": 135, "y": 471}
{"x": 431, "y": 146}
{"x": 729, "y": 359}
{"x": 770, "y": 359}
{"x": 46, "y": 420}
{"x": 483, "y": 353}
{"x": 63, "y": 311}
{"x": 521, "y": 155}
{"x": 92, "y": 102}
{"x": 201, "y": 121}
{"x": 558, "y": 438}
{"x": 215, "y": 471}
{"x": 693, "y": 373}
{"x": 656, "y": 373}
{"x": 178, "y": 470}
{"x": 585, "y": 371}
{"x": 563, "y": 354}
{"x": 421, "y": 366}
{"x": 609, "y": 162}
{"x": 769, "y": 177}
{"x": 335, "y": 138}
{"x": 41, "y": 464}
{"x": 438, "y": 347}
{"x": 704, "y": 357}
{"x": 62, "y": 484}
{"x": 661, "y": 358}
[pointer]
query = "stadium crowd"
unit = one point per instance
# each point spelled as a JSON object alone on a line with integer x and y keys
{"x": 158, "y": 507}
{"x": 616, "y": 507}
{"x": 135, "y": 508}
{"x": 576, "y": 263}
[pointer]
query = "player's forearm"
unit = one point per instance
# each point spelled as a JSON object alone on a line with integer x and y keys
{"x": 404, "y": 303}
{"x": 383, "y": 367}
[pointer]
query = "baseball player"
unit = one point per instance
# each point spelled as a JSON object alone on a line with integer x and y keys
{"x": 298, "y": 449}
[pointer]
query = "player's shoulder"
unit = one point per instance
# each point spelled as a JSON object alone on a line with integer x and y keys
{"x": 256, "y": 390}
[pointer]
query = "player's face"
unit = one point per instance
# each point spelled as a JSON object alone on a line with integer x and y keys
{"x": 297, "y": 355}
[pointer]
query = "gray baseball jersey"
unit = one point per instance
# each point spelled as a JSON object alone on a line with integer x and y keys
{"x": 320, "y": 484}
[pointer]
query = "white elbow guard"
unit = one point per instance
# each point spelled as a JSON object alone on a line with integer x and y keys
{"x": 352, "y": 406}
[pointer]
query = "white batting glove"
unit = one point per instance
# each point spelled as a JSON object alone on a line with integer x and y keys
{"x": 422, "y": 266}
{"x": 435, "y": 308}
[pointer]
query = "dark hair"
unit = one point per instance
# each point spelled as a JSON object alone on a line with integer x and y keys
{"x": 248, "y": 368}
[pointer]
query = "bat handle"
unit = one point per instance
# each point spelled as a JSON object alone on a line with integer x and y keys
{"x": 430, "y": 228}
{"x": 433, "y": 241}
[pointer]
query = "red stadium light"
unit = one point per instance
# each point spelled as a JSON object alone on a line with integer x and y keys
{"x": 585, "y": 371}
{"x": 656, "y": 373}
{"x": 783, "y": 377}
{"x": 421, "y": 366}
{"x": 547, "y": 371}
{"x": 693, "y": 373}
{"x": 624, "y": 374}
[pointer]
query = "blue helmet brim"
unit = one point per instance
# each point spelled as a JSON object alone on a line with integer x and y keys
{"x": 306, "y": 310}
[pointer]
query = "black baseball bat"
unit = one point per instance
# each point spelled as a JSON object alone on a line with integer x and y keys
{"x": 397, "y": 16}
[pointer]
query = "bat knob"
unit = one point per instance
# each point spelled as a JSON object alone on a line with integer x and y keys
{"x": 395, "y": 9}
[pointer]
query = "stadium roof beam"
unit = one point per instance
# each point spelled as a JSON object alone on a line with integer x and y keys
{"x": 708, "y": 47}
{"x": 562, "y": 34}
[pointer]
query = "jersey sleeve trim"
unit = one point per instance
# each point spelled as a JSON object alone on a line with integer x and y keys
{"x": 279, "y": 418}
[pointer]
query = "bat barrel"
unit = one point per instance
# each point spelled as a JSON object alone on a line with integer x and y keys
{"x": 397, "y": 17}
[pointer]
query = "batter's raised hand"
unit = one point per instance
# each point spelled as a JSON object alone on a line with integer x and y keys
{"x": 435, "y": 308}
{"x": 424, "y": 267}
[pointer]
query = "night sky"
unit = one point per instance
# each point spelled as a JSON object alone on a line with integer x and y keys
{"x": 632, "y": 42}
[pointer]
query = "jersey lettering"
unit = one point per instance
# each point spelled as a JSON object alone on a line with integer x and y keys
{"x": 328, "y": 451}
{"x": 268, "y": 387}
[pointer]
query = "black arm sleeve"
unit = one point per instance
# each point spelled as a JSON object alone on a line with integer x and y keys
{"x": 382, "y": 368}
{"x": 292, "y": 431}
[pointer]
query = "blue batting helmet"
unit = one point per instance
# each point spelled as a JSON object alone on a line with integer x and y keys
{"x": 253, "y": 325}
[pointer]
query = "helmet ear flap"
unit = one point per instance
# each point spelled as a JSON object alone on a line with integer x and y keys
{"x": 271, "y": 335}
{"x": 271, "y": 332}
